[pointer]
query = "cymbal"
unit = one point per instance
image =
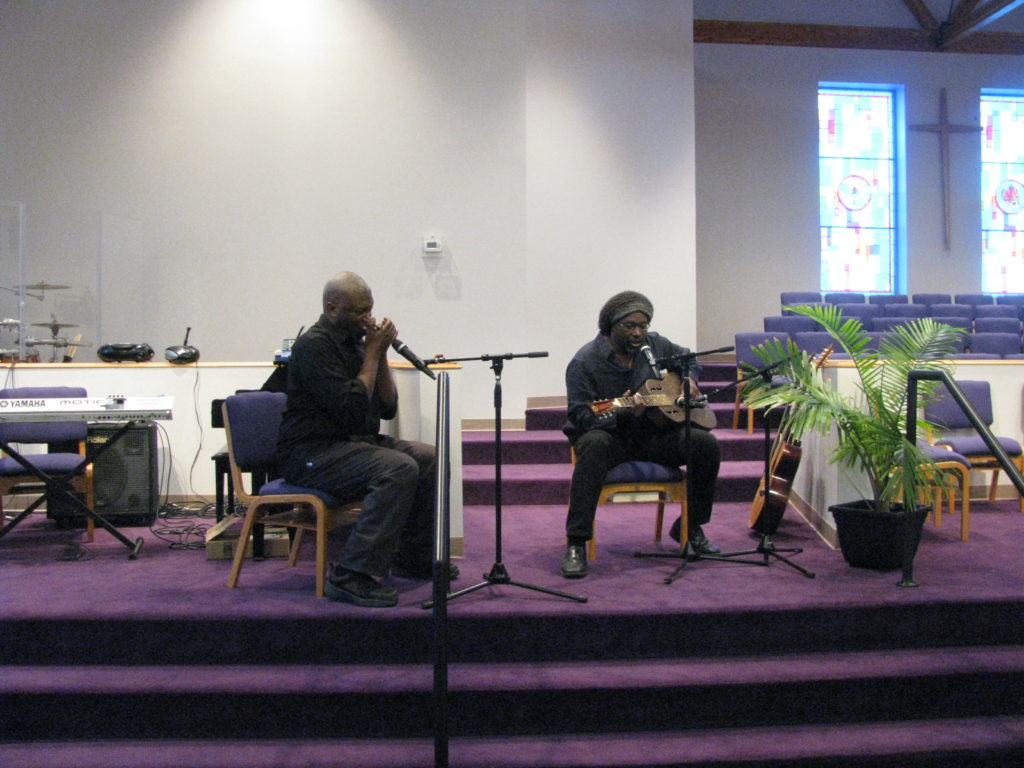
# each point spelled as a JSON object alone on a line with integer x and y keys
{"x": 9, "y": 322}
{"x": 45, "y": 286}
{"x": 55, "y": 326}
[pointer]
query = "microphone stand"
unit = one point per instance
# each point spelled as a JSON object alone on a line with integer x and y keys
{"x": 688, "y": 554}
{"x": 499, "y": 573}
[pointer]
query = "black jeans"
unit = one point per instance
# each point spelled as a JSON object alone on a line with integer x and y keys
{"x": 395, "y": 480}
{"x": 597, "y": 451}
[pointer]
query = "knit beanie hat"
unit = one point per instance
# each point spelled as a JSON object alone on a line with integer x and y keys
{"x": 622, "y": 305}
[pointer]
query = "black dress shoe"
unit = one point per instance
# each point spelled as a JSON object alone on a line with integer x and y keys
{"x": 574, "y": 562}
{"x": 421, "y": 570}
{"x": 700, "y": 543}
{"x": 359, "y": 589}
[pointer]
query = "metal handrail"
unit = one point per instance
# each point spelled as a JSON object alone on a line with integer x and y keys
{"x": 440, "y": 572}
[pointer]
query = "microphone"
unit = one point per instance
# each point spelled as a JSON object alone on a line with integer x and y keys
{"x": 408, "y": 354}
{"x": 646, "y": 349}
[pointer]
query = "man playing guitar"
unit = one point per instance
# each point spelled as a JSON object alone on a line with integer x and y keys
{"x": 622, "y": 408}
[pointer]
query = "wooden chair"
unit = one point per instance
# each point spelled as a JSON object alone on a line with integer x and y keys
{"x": 251, "y": 422}
{"x": 58, "y": 464}
{"x": 647, "y": 477}
{"x": 949, "y": 461}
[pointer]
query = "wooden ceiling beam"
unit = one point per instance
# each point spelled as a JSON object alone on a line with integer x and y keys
{"x": 923, "y": 14}
{"x": 863, "y": 38}
{"x": 966, "y": 20}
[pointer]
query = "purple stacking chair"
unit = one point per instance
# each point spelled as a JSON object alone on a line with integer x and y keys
{"x": 964, "y": 323}
{"x": 745, "y": 356}
{"x": 798, "y": 298}
{"x": 789, "y": 324}
{"x": 997, "y": 325}
{"x": 1012, "y": 300}
{"x": 996, "y": 310}
{"x": 951, "y": 310}
{"x": 884, "y": 324}
{"x": 863, "y": 312}
{"x": 906, "y": 310}
{"x": 815, "y": 342}
{"x": 948, "y": 460}
{"x": 974, "y": 299}
{"x": 1002, "y": 344}
{"x": 882, "y": 299}
{"x": 62, "y": 464}
{"x": 251, "y": 423}
{"x": 931, "y": 298}
{"x": 844, "y": 297}
{"x": 946, "y": 415}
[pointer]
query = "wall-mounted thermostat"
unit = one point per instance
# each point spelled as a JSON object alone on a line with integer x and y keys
{"x": 432, "y": 245}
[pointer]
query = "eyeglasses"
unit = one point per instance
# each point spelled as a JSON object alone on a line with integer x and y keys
{"x": 630, "y": 326}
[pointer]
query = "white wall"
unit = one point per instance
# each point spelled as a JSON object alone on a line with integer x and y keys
{"x": 757, "y": 183}
{"x": 216, "y": 160}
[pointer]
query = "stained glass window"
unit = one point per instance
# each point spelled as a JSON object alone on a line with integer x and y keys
{"x": 856, "y": 178}
{"x": 1002, "y": 192}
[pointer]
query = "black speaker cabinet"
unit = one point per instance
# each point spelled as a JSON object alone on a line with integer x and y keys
{"x": 125, "y": 478}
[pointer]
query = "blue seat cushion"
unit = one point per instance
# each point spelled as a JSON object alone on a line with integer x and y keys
{"x": 50, "y": 463}
{"x": 937, "y": 454}
{"x": 279, "y": 487}
{"x": 975, "y": 446}
{"x": 643, "y": 472}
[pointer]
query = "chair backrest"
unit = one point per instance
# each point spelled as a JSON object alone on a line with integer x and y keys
{"x": 906, "y": 310}
{"x": 813, "y": 342}
{"x": 887, "y": 298}
{"x": 997, "y": 324}
{"x": 957, "y": 322}
{"x": 863, "y": 312}
{"x": 252, "y": 421}
{"x": 844, "y": 297}
{"x": 945, "y": 413}
{"x": 1013, "y": 300}
{"x": 930, "y": 298}
{"x": 789, "y": 298}
{"x": 42, "y": 431}
{"x": 998, "y": 343}
{"x": 973, "y": 298}
{"x": 888, "y": 323}
{"x": 951, "y": 310}
{"x": 997, "y": 310}
{"x": 789, "y": 324}
{"x": 745, "y": 343}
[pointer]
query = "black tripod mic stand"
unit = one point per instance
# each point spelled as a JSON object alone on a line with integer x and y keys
{"x": 499, "y": 573}
{"x": 688, "y": 554}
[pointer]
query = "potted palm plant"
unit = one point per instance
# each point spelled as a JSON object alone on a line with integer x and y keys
{"x": 882, "y": 529}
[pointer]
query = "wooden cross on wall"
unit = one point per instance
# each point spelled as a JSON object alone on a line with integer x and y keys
{"x": 944, "y": 128}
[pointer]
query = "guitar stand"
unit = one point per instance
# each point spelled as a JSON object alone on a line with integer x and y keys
{"x": 62, "y": 485}
{"x": 498, "y": 575}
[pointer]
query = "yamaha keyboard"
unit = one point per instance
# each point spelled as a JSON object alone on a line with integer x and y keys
{"x": 107, "y": 409}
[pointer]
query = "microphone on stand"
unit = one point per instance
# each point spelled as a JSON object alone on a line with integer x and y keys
{"x": 646, "y": 349}
{"x": 408, "y": 354}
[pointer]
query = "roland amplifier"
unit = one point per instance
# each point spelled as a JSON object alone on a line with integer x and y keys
{"x": 125, "y": 478}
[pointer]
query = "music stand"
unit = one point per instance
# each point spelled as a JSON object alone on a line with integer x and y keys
{"x": 688, "y": 554}
{"x": 498, "y": 574}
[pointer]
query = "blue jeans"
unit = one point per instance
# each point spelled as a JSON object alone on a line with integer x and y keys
{"x": 395, "y": 480}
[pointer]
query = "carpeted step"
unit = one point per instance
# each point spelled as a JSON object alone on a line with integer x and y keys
{"x": 381, "y": 701}
{"x": 549, "y": 483}
{"x": 976, "y": 742}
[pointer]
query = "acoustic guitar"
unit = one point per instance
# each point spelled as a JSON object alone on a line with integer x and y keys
{"x": 660, "y": 397}
{"x": 769, "y": 507}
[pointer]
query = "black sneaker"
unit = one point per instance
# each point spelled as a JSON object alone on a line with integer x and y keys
{"x": 423, "y": 571}
{"x": 359, "y": 589}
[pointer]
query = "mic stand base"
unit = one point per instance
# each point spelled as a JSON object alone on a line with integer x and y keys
{"x": 690, "y": 555}
{"x": 768, "y": 549}
{"x": 498, "y": 575}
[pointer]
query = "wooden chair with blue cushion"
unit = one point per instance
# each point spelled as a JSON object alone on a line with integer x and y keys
{"x": 946, "y": 415}
{"x": 251, "y": 423}
{"x": 948, "y": 460}
{"x": 668, "y": 484}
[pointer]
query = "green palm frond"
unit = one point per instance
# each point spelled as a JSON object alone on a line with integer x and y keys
{"x": 871, "y": 425}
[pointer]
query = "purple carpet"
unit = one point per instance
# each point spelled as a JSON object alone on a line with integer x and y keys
{"x": 154, "y": 662}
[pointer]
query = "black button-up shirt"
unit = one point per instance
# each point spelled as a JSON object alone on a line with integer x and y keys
{"x": 595, "y": 374}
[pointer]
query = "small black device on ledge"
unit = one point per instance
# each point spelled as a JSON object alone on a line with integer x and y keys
{"x": 182, "y": 353}
{"x": 125, "y": 353}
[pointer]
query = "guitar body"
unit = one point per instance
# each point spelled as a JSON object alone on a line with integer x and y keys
{"x": 660, "y": 395}
{"x": 768, "y": 508}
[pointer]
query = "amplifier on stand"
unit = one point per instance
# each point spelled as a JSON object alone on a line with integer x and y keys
{"x": 125, "y": 478}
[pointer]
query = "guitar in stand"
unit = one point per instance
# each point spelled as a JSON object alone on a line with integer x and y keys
{"x": 126, "y": 411}
{"x": 782, "y": 459}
